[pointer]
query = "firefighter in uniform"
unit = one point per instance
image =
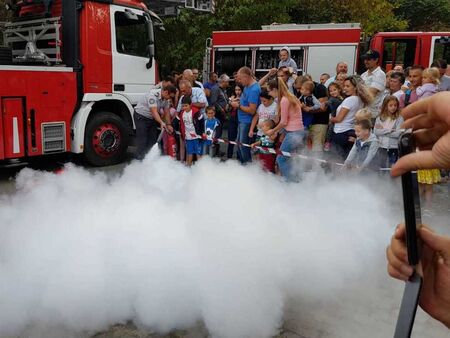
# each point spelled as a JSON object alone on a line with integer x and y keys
{"x": 151, "y": 112}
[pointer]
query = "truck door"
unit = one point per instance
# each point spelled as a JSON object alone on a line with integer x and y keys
{"x": 12, "y": 122}
{"x": 440, "y": 48}
{"x": 129, "y": 35}
{"x": 398, "y": 52}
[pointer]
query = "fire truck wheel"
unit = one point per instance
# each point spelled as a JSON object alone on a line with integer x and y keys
{"x": 106, "y": 140}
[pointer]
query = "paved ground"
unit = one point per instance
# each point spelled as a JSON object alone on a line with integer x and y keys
{"x": 297, "y": 322}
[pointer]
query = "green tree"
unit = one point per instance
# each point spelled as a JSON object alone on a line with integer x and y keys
{"x": 425, "y": 15}
{"x": 374, "y": 15}
{"x": 182, "y": 45}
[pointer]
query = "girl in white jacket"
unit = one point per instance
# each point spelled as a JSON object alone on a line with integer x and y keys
{"x": 387, "y": 129}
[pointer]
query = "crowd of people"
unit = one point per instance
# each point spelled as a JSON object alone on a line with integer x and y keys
{"x": 351, "y": 118}
{"x": 343, "y": 118}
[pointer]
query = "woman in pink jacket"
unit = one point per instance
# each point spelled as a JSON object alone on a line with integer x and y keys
{"x": 291, "y": 124}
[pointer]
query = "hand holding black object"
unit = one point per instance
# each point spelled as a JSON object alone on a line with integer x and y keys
{"x": 435, "y": 294}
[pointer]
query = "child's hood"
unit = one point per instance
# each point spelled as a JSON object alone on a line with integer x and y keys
{"x": 287, "y": 49}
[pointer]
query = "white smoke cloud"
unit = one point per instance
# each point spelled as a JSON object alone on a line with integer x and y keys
{"x": 168, "y": 246}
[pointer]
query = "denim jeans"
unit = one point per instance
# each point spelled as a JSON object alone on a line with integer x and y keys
{"x": 232, "y": 135}
{"x": 244, "y": 152}
{"x": 292, "y": 142}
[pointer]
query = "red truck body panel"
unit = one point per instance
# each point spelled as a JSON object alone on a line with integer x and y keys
{"x": 44, "y": 96}
{"x": 278, "y": 37}
{"x": 96, "y": 55}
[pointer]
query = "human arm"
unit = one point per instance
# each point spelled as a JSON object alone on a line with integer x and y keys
{"x": 200, "y": 98}
{"x": 252, "y": 99}
{"x": 340, "y": 117}
{"x": 396, "y": 130}
{"x": 255, "y": 144}
{"x": 420, "y": 91}
{"x": 253, "y": 125}
{"x": 266, "y": 77}
{"x": 378, "y": 129}
{"x": 344, "y": 108}
{"x": 430, "y": 121}
{"x": 378, "y": 84}
{"x": 316, "y": 108}
{"x": 157, "y": 117}
{"x": 250, "y": 109}
{"x": 167, "y": 119}
{"x": 284, "y": 111}
{"x": 435, "y": 294}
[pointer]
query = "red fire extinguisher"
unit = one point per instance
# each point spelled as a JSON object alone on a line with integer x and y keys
{"x": 170, "y": 145}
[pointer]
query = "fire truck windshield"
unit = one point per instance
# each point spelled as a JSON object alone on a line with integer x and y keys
{"x": 131, "y": 34}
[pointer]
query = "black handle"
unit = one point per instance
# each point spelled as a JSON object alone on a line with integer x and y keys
{"x": 119, "y": 87}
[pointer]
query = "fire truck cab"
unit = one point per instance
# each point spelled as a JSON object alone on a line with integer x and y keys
{"x": 71, "y": 73}
{"x": 411, "y": 48}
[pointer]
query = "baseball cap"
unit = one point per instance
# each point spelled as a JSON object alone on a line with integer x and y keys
{"x": 372, "y": 54}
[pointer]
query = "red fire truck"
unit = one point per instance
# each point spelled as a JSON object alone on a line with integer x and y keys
{"x": 70, "y": 73}
{"x": 318, "y": 48}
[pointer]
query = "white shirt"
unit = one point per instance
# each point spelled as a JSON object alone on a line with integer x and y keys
{"x": 151, "y": 100}
{"x": 398, "y": 94}
{"x": 353, "y": 104}
{"x": 445, "y": 83}
{"x": 266, "y": 113}
{"x": 377, "y": 80}
{"x": 329, "y": 81}
{"x": 197, "y": 96}
{"x": 189, "y": 128}
{"x": 198, "y": 83}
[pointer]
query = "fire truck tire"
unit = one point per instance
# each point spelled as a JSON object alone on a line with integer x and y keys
{"x": 105, "y": 140}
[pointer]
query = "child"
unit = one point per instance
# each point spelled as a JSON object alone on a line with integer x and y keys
{"x": 428, "y": 177}
{"x": 334, "y": 101}
{"x": 430, "y": 82}
{"x": 309, "y": 103}
{"x": 286, "y": 60}
{"x": 267, "y": 110}
{"x": 363, "y": 114}
{"x": 365, "y": 148}
{"x": 211, "y": 125}
{"x": 267, "y": 159}
{"x": 191, "y": 127}
{"x": 387, "y": 129}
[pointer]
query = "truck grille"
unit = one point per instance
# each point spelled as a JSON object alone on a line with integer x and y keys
{"x": 53, "y": 137}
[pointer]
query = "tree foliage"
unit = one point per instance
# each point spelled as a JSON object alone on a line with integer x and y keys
{"x": 182, "y": 44}
{"x": 424, "y": 15}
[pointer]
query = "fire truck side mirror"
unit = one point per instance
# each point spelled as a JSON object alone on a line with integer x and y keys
{"x": 151, "y": 41}
{"x": 151, "y": 53}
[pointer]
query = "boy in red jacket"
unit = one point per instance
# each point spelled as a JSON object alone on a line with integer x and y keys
{"x": 191, "y": 128}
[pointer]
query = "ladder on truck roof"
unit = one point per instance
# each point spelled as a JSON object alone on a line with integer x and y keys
{"x": 294, "y": 26}
{"x": 34, "y": 41}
